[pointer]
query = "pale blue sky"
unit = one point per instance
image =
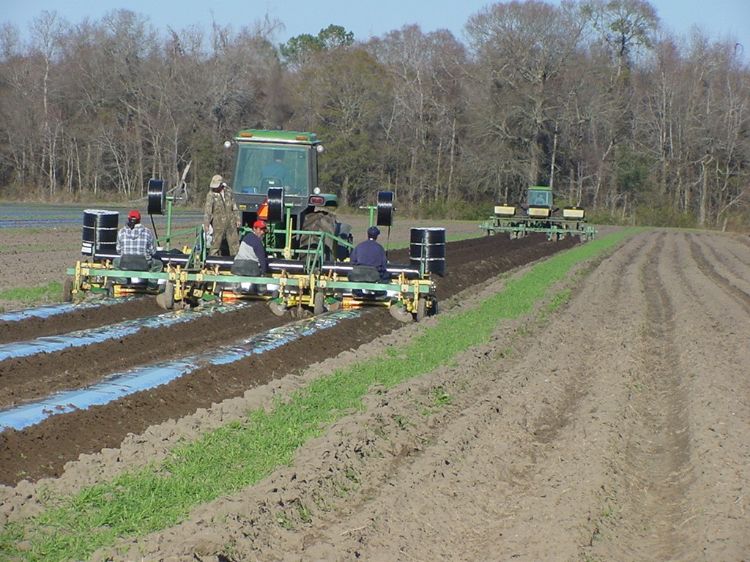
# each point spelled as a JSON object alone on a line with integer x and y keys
{"x": 719, "y": 18}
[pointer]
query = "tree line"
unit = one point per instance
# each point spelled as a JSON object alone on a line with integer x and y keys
{"x": 593, "y": 98}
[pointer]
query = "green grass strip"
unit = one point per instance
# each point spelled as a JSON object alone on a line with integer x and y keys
{"x": 52, "y": 291}
{"x": 242, "y": 453}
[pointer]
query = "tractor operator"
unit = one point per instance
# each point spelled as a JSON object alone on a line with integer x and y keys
{"x": 275, "y": 173}
{"x": 251, "y": 260}
{"x": 220, "y": 213}
{"x": 136, "y": 245}
{"x": 369, "y": 259}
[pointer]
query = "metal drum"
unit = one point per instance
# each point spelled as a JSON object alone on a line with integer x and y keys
{"x": 427, "y": 250}
{"x": 99, "y": 231}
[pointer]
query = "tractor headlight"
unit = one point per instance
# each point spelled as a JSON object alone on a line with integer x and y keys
{"x": 316, "y": 190}
{"x": 228, "y": 144}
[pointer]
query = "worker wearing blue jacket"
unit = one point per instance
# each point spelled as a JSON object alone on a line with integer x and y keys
{"x": 369, "y": 260}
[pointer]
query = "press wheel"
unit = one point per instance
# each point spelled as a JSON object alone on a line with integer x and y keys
{"x": 400, "y": 313}
{"x": 165, "y": 299}
{"x": 67, "y": 290}
{"x": 319, "y": 303}
{"x": 421, "y": 310}
{"x": 277, "y": 308}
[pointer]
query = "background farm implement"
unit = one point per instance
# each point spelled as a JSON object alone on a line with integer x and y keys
{"x": 538, "y": 214}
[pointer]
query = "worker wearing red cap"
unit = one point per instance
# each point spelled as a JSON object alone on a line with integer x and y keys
{"x": 221, "y": 214}
{"x": 252, "y": 260}
{"x": 136, "y": 245}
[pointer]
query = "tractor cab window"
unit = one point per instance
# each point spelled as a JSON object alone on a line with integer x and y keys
{"x": 262, "y": 166}
{"x": 540, "y": 198}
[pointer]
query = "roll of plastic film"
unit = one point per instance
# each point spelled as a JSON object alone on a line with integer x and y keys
{"x": 427, "y": 249}
{"x": 99, "y": 231}
{"x": 276, "y": 204}
{"x": 156, "y": 197}
{"x": 385, "y": 208}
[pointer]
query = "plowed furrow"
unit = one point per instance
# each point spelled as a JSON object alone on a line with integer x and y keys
{"x": 657, "y": 449}
{"x": 707, "y": 268}
{"x": 727, "y": 264}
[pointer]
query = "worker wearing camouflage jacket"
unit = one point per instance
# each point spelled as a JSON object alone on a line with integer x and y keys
{"x": 220, "y": 213}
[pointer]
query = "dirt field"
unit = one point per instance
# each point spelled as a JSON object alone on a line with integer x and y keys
{"x": 616, "y": 429}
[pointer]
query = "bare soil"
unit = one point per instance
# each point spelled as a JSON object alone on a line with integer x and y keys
{"x": 617, "y": 428}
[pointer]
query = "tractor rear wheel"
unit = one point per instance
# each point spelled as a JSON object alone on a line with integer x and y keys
{"x": 67, "y": 290}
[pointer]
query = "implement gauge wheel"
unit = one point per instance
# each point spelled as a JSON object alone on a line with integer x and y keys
{"x": 67, "y": 290}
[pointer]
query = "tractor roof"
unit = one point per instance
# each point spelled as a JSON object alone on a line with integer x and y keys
{"x": 540, "y": 188}
{"x": 291, "y": 137}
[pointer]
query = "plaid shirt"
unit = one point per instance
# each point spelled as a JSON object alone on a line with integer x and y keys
{"x": 139, "y": 241}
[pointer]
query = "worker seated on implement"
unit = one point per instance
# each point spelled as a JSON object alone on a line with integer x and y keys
{"x": 251, "y": 260}
{"x": 136, "y": 246}
{"x": 368, "y": 259}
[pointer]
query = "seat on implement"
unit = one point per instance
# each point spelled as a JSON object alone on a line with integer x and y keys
{"x": 245, "y": 268}
{"x": 364, "y": 274}
{"x": 134, "y": 262}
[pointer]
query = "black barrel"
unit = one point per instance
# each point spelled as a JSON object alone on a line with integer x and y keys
{"x": 427, "y": 247}
{"x": 99, "y": 231}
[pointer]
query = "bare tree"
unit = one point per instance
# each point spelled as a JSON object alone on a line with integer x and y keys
{"x": 522, "y": 49}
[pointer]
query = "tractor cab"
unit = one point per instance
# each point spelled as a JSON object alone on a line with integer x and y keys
{"x": 285, "y": 160}
{"x": 539, "y": 201}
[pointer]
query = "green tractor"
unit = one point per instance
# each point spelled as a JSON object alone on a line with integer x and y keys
{"x": 276, "y": 172}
